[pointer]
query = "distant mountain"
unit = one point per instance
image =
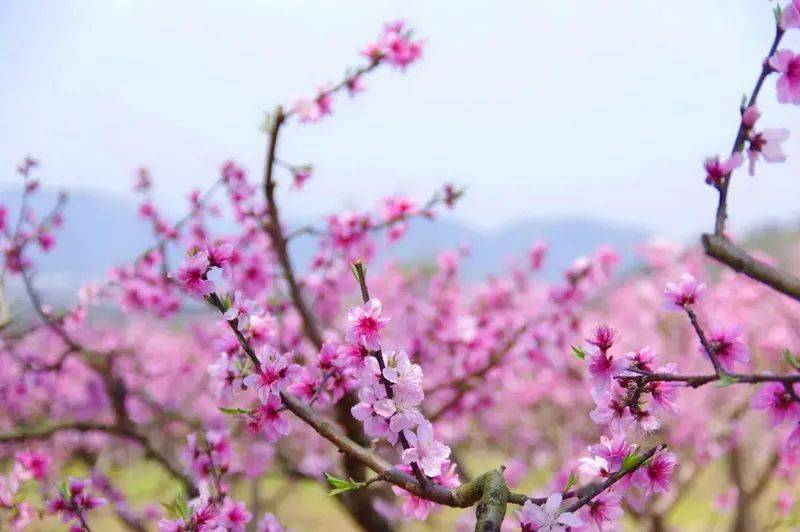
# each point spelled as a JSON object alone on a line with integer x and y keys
{"x": 101, "y": 232}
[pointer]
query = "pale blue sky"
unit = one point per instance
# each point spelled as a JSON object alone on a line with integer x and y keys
{"x": 603, "y": 108}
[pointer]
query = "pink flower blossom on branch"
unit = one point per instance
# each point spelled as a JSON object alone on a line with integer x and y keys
{"x": 787, "y": 64}
{"x": 685, "y": 293}
{"x": 766, "y": 144}
{"x": 656, "y": 476}
{"x": 547, "y": 517}
{"x": 425, "y": 450}
{"x": 365, "y": 323}
{"x": 717, "y": 171}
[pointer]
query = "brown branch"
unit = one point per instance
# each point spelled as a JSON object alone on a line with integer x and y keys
{"x": 594, "y": 491}
{"x": 738, "y": 143}
{"x": 717, "y": 245}
{"x": 275, "y": 232}
{"x": 723, "y": 250}
{"x": 709, "y": 349}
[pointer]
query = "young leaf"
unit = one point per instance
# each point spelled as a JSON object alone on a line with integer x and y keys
{"x": 181, "y": 508}
{"x": 790, "y": 359}
{"x": 630, "y": 461}
{"x": 570, "y": 481}
{"x": 234, "y": 411}
{"x": 726, "y": 380}
{"x": 340, "y": 485}
{"x": 578, "y": 353}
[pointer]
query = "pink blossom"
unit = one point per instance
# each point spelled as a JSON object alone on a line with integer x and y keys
{"x": 788, "y": 65}
{"x": 143, "y": 181}
{"x": 546, "y": 518}
{"x": 171, "y": 525}
{"x": 308, "y": 109}
{"x": 605, "y": 508}
{"x": 766, "y": 143}
{"x": 234, "y": 516}
{"x": 395, "y": 46}
{"x": 74, "y": 501}
{"x": 365, "y": 410}
{"x": 750, "y": 116}
{"x": 664, "y": 393}
{"x": 611, "y": 406}
{"x": 269, "y": 523}
{"x": 355, "y": 85}
{"x": 656, "y": 476}
{"x": 428, "y": 453}
{"x": 417, "y": 507}
{"x": 727, "y": 346}
{"x": 641, "y": 359}
{"x": 300, "y": 174}
{"x": 219, "y": 254}
{"x": 275, "y": 374}
{"x": 794, "y": 437}
{"x": 33, "y": 464}
{"x": 790, "y": 16}
{"x": 774, "y": 398}
{"x": 226, "y": 375}
{"x": 324, "y": 101}
{"x": 602, "y": 366}
{"x": 192, "y": 275}
{"x": 268, "y": 419}
{"x": 241, "y": 309}
{"x": 613, "y": 450}
{"x": 537, "y": 254}
{"x": 593, "y": 467}
{"x": 400, "y": 371}
{"x": 365, "y": 323}
{"x": 45, "y": 239}
{"x": 685, "y": 293}
{"x": 603, "y": 338}
{"x": 717, "y": 171}
{"x": 402, "y": 410}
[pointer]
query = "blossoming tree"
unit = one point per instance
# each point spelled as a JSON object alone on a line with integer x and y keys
{"x": 382, "y": 385}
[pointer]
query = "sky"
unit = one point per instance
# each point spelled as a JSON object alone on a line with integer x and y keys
{"x": 539, "y": 108}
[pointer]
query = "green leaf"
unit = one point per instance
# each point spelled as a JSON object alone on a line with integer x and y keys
{"x": 726, "y": 380}
{"x": 341, "y": 486}
{"x": 630, "y": 461}
{"x": 791, "y": 359}
{"x": 570, "y": 481}
{"x": 578, "y": 353}
{"x": 778, "y": 14}
{"x": 235, "y": 411}
{"x": 181, "y": 508}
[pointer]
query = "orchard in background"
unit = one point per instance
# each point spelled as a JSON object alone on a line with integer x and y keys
{"x": 377, "y": 384}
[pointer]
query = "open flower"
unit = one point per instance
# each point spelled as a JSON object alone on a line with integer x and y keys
{"x": 776, "y": 400}
{"x": 365, "y": 324}
{"x": 767, "y": 144}
{"x": 656, "y": 476}
{"x": 790, "y": 16}
{"x": 717, "y": 171}
{"x": 788, "y": 65}
{"x": 685, "y": 293}
{"x": 428, "y": 453}
{"x": 546, "y": 518}
{"x": 275, "y": 374}
{"x": 192, "y": 275}
{"x": 727, "y": 345}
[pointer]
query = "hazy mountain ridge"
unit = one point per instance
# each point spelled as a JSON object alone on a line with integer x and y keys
{"x": 102, "y": 232}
